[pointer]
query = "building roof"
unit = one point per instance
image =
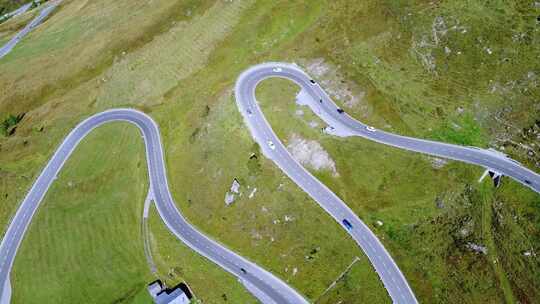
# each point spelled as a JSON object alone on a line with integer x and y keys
{"x": 155, "y": 288}
{"x": 177, "y": 296}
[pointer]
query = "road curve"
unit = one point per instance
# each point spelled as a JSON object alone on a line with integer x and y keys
{"x": 6, "y": 48}
{"x": 322, "y": 105}
{"x": 265, "y": 286}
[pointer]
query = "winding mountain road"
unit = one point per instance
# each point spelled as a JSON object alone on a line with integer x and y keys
{"x": 262, "y": 284}
{"x": 265, "y": 286}
{"x": 344, "y": 125}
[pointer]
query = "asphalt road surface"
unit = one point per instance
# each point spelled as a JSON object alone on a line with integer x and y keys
{"x": 17, "y": 12}
{"x": 6, "y": 49}
{"x": 262, "y": 284}
{"x": 266, "y": 287}
{"x": 322, "y": 105}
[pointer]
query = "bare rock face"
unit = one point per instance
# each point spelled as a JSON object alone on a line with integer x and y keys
{"x": 335, "y": 83}
{"x": 311, "y": 153}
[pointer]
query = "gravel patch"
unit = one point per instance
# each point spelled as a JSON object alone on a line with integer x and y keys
{"x": 311, "y": 153}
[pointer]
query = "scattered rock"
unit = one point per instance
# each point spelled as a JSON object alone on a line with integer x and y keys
{"x": 439, "y": 202}
{"x": 447, "y": 50}
{"x": 255, "y": 235}
{"x": 477, "y": 248}
{"x": 464, "y": 232}
{"x": 252, "y": 193}
{"x": 529, "y": 253}
{"x": 288, "y": 218}
{"x": 379, "y": 223}
{"x": 466, "y": 229}
{"x": 438, "y": 163}
{"x": 294, "y": 271}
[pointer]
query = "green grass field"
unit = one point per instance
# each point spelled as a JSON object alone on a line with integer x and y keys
{"x": 456, "y": 71}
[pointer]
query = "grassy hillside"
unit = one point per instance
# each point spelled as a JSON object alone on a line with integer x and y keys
{"x": 457, "y": 71}
{"x": 7, "y": 6}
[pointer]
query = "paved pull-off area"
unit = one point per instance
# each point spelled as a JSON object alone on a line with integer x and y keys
{"x": 342, "y": 124}
{"x": 265, "y": 286}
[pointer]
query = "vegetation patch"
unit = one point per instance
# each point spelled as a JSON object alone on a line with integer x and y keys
{"x": 9, "y": 125}
{"x": 463, "y": 131}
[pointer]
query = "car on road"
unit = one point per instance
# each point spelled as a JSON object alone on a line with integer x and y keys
{"x": 312, "y": 81}
{"x": 243, "y": 270}
{"x": 271, "y": 145}
{"x": 277, "y": 70}
{"x": 249, "y": 112}
{"x": 340, "y": 111}
{"x": 347, "y": 224}
{"x": 370, "y": 129}
{"x": 320, "y": 100}
{"x": 528, "y": 182}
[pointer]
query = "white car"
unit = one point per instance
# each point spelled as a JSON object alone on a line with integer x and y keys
{"x": 370, "y": 129}
{"x": 271, "y": 145}
{"x": 277, "y": 70}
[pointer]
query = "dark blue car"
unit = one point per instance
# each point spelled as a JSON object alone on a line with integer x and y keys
{"x": 347, "y": 224}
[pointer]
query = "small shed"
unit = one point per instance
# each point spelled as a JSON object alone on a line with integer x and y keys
{"x": 162, "y": 295}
